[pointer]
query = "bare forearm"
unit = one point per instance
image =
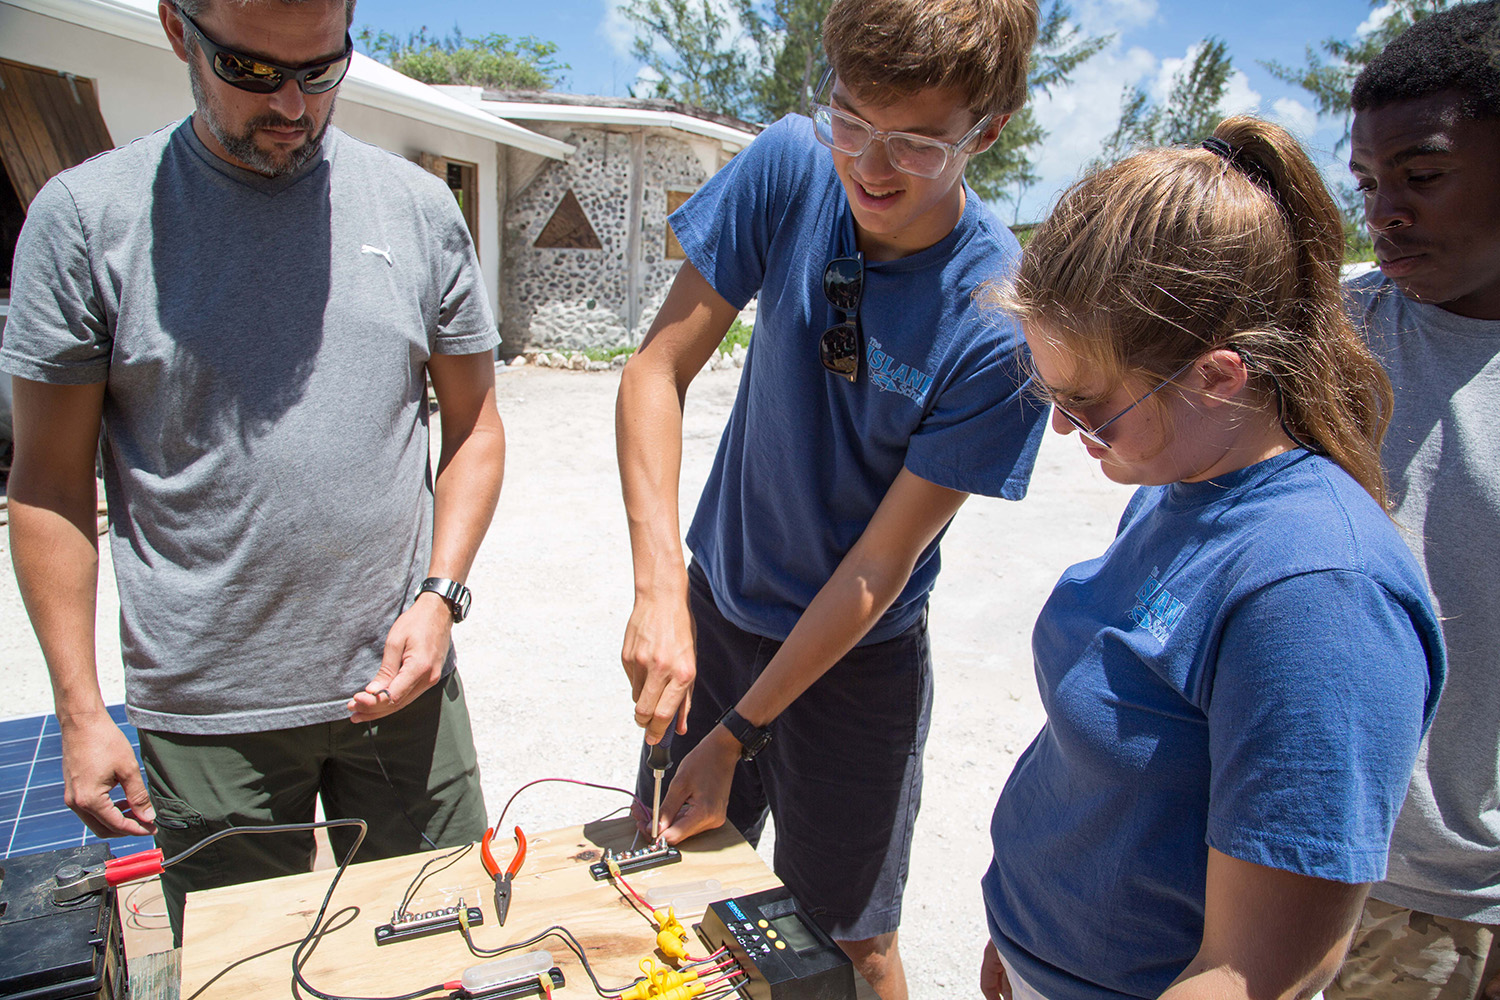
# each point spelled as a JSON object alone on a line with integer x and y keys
{"x": 54, "y": 547}
{"x": 648, "y": 436}
{"x": 868, "y": 579}
{"x": 841, "y": 614}
{"x": 465, "y": 492}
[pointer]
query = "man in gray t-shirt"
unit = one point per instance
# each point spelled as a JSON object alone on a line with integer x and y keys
{"x": 250, "y": 304}
{"x": 1426, "y": 153}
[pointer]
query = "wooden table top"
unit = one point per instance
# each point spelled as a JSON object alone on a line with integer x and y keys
{"x": 238, "y": 940}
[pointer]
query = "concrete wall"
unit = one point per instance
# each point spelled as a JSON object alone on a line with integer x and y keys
{"x": 143, "y": 88}
{"x": 574, "y": 299}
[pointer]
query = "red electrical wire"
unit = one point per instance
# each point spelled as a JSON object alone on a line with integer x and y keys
{"x": 620, "y": 881}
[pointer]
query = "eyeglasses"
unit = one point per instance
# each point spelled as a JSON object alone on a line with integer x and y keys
{"x": 841, "y": 345}
{"x": 919, "y": 155}
{"x": 259, "y": 76}
{"x": 1092, "y": 434}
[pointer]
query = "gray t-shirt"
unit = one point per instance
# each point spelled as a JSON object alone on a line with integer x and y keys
{"x": 264, "y": 346}
{"x": 1442, "y": 455}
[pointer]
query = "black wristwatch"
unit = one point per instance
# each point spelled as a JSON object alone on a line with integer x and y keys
{"x": 753, "y": 739}
{"x": 454, "y": 593}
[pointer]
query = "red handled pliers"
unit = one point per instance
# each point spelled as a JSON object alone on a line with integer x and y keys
{"x": 74, "y": 881}
{"x": 502, "y": 879}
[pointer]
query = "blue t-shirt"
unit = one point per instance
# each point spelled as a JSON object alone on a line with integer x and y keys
{"x": 1250, "y": 666}
{"x": 807, "y": 457}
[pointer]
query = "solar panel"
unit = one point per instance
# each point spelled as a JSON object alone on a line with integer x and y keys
{"x": 32, "y": 814}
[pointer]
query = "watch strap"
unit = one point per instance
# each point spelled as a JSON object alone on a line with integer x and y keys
{"x": 752, "y": 739}
{"x": 453, "y": 593}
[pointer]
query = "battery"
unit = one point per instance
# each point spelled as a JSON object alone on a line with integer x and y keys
{"x": 58, "y": 951}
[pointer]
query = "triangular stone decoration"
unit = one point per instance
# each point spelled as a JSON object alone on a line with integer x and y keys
{"x": 569, "y": 228}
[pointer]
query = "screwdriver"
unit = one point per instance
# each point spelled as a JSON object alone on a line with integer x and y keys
{"x": 658, "y": 758}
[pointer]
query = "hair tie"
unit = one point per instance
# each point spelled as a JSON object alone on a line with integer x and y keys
{"x": 1250, "y": 168}
{"x": 1216, "y": 145}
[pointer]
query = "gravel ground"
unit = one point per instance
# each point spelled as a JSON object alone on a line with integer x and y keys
{"x": 540, "y": 652}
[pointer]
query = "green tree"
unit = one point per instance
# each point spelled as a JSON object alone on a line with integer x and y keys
{"x": 1006, "y": 170}
{"x": 789, "y": 35}
{"x": 1328, "y": 76}
{"x": 494, "y": 61}
{"x": 700, "y": 54}
{"x": 1189, "y": 114}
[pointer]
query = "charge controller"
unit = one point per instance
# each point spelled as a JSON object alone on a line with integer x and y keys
{"x": 786, "y": 955}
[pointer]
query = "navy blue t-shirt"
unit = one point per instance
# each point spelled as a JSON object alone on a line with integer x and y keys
{"x": 1250, "y": 666}
{"x": 807, "y": 457}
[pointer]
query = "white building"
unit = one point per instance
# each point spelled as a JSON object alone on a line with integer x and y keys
{"x": 586, "y": 247}
{"x": 114, "y": 55}
{"x": 566, "y": 197}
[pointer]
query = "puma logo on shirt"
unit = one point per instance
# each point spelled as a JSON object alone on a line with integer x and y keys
{"x": 386, "y": 253}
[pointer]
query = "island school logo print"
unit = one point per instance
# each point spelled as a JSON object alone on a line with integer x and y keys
{"x": 890, "y": 375}
{"x": 1156, "y": 610}
{"x": 376, "y": 251}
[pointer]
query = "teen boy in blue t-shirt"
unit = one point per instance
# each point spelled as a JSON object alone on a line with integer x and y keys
{"x": 876, "y": 396}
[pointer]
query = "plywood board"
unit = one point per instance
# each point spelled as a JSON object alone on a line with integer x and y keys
{"x": 238, "y": 941}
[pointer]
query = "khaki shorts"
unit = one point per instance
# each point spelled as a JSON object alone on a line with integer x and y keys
{"x": 1400, "y": 954}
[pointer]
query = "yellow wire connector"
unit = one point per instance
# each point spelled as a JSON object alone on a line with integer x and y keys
{"x": 671, "y": 936}
{"x": 661, "y": 982}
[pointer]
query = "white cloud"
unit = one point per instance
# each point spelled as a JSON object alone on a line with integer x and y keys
{"x": 1295, "y": 117}
{"x": 1080, "y": 117}
{"x": 1239, "y": 97}
{"x": 1102, "y": 17}
{"x": 617, "y": 30}
{"x": 1377, "y": 17}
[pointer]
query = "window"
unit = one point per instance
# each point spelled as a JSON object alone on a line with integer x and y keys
{"x": 463, "y": 180}
{"x": 569, "y": 228}
{"x": 675, "y": 200}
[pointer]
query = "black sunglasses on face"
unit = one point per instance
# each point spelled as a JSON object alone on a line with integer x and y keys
{"x": 841, "y": 345}
{"x": 259, "y": 76}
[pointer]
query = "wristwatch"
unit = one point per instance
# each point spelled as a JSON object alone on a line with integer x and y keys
{"x": 454, "y": 593}
{"x": 752, "y": 739}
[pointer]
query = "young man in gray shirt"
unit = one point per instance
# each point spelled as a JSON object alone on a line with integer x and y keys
{"x": 1426, "y": 154}
{"x": 249, "y": 304}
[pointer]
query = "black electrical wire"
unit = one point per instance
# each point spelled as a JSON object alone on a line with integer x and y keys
{"x": 571, "y": 781}
{"x": 304, "y": 950}
{"x": 370, "y": 732}
{"x": 452, "y": 857}
{"x": 562, "y": 934}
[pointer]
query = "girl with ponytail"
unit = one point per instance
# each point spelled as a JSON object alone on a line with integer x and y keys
{"x": 1236, "y": 689}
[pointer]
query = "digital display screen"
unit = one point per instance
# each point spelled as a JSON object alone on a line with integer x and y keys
{"x": 795, "y": 933}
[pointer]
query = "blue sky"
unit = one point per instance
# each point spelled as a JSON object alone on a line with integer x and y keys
{"x": 1152, "y": 38}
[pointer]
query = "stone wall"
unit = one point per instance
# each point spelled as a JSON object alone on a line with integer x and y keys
{"x": 580, "y": 299}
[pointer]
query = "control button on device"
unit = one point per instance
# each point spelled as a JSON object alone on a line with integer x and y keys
{"x": 771, "y": 935}
{"x": 763, "y": 924}
{"x": 781, "y": 944}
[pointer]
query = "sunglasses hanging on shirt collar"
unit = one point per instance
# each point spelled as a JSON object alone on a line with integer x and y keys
{"x": 260, "y": 76}
{"x": 842, "y": 344}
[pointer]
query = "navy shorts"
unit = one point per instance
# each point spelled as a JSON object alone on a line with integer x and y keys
{"x": 842, "y": 775}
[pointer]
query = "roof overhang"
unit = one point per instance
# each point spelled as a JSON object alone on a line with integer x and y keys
{"x": 369, "y": 82}
{"x": 731, "y": 138}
